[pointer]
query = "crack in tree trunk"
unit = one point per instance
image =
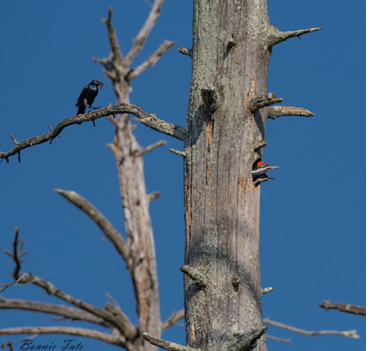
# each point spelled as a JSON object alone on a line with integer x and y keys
{"x": 221, "y": 202}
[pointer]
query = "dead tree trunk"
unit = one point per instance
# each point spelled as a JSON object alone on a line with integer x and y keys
{"x": 226, "y": 120}
{"x": 232, "y": 41}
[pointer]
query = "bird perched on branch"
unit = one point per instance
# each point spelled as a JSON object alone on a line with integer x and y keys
{"x": 87, "y": 96}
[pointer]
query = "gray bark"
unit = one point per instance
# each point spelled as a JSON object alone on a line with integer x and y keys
{"x": 230, "y": 57}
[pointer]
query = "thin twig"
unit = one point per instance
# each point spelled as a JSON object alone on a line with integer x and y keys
{"x": 177, "y": 152}
{"x": 173, "y": 319}
{"x": 184, "y": 51}
{"x": 7, "y": 343}
{"x": 343, "y": 307}
{"x": 286, "y": 341}
{"x": 151, "y": 147}
{"x": 266, "y": 290}
{"x": 154, "y": 195}
{"x": 115, "y": 48}
{"x": 14, "y": 283}
{"x": 349, "y": 334}
{"x": 151, "y": 60}
{"x": 14, "y": 139}
{"x": 143, "y": 33}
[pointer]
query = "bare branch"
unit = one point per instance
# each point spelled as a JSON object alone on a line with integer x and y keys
{"x": 185, "y": 51}
{"x": 111, "y": 298}
{"x": 266, "y": 290}
{"x": 153, "y": 196}
{"x": 286, "y": 341}
{"x": 119, "y": 320}
{"x": 163, "y": 127}
{"x": 114, "y": 47}
{"x": 124, "y": 326}
{"x": 112, "y": 65}
{"x": 151, "y": 147}
{"x": 343, "y": 307}
{"x": 348, "y": 334}
{"x": 143, "y": 33}
{"x": 144, "y": 117}
{"x": 259, "y": 145}
{"x": 61, "y": 310}
{"x": 151, "y": 60}
{"x": 167, "y": 345}
{"x": 198, "y": 277}
{"x": 108, "y": 338}
{"x": 10, "y": 284}
{"x": 14, "y": 139}
{"x": 179, "y": 153}
{"x": 7, "y": 343}
{"x": 275, "y": 36}
{"x": 16, "y": 256}
{"x": 173, "y": 319}
{"x": 111, "y": 233}
{"x": 280, "y": 111}
{"x": 262, "y": 101}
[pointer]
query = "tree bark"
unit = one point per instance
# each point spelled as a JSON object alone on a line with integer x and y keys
{"x": 230, "y": 58}
{"x": 139, "y": 231}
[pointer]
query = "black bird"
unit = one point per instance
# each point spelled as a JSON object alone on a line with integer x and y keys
{"x": 87, "y": 96}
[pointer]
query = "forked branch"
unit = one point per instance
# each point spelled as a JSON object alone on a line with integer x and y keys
{"x": 118, "y": 319}
{"x": 143, "y": 33}
{"x": 151, "y": 60}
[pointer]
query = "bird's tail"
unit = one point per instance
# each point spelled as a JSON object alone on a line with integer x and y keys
{"x": 81, "y": 110}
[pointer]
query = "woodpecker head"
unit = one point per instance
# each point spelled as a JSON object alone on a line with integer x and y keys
{"x": 259, "y": 163}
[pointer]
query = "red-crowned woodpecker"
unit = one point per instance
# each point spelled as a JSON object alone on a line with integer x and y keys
{"x": 259, "y": 170}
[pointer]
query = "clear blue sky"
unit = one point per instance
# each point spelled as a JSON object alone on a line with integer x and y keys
{"x": 312, "y": 215}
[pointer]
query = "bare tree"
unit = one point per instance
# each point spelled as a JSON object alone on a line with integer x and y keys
{"x": 138, "y": 253}
{"x": 223, "y": 145}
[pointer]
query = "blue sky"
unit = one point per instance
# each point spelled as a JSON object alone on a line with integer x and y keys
{"x": 312, "y": 216}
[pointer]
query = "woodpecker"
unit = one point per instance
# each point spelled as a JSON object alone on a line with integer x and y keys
{"x": 260, "y": 179}
{"x": 259, "y": 172}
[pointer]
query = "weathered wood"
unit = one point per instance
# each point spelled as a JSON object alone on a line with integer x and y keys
{"x": 343, "y": 307}
{"x": 229, "y": 56}
{"x": 135, "y": 202}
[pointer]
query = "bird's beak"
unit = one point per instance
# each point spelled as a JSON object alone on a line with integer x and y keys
{"x": 101, "y": 85}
